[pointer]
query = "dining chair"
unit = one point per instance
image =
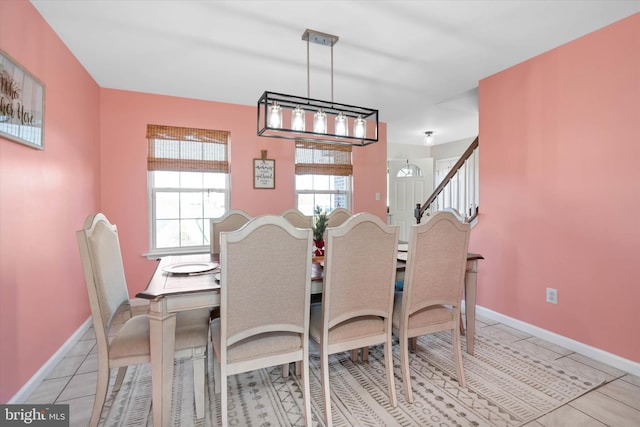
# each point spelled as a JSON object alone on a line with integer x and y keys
{"x": 297, "y": 218}
{"x": 338, "y": 216}
{"x": 357, "y": 297}
{"x": 230, "y": 221}
{"x": 130, "y": 345}
{"x": 433, "y": 285}
{"x": 265, "y": 281}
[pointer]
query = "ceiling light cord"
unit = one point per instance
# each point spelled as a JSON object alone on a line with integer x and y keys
{"x": 332, "y": 73}
{"x": 308, "y": 73}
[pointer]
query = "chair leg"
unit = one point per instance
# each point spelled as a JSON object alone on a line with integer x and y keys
{"x": 223, "y": 399}
{"x": 365, "y": 354}
{"x": 304, "y": 365}
{"x": 354, "y": 355}
{"x": 285, "y": 370}
{"x": 101, "y": 392}
{"x": 413, "y": 342}
{"x": 404, "y": 366}
{"x": 457, "y": 355}
{"x": 199, "y": 373}
{"x": 324, "y": 368}
{"x": 388, "y": 363}
{"x": 119, "y": 378}
{"x": 217, "y": 377}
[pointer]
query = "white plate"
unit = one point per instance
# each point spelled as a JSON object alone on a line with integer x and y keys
{"x": 190, "y": 267}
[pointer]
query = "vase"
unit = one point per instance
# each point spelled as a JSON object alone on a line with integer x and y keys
{"x": 319, "y": 244}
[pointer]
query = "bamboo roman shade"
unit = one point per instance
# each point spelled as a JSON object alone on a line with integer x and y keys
{"x": 319, "y": 158}
{"x": 187, "y": 149}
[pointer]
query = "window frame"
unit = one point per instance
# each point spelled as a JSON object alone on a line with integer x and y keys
{"x": 348, "y": 193}
{"x": 184, "y": 150}
{"x": 322, "y": 159}
{"x": 154, "y": 251}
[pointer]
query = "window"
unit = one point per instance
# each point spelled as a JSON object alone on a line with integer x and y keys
{"x": 188, "y": 185}
{"x": 409, "y": 171}
{"x": 323, "y": 176}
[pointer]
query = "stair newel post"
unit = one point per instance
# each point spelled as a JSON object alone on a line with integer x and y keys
{"x": 417, "y": 214}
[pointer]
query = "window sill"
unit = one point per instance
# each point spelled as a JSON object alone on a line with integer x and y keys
{"x": 160, "y": 253}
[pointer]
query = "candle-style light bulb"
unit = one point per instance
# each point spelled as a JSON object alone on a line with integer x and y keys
{"x": 359, "y": 127}
{"x": 297, "y": 119}
{"x": 341, "y": 125}
{"x": 275, "y": 116}
{"x": 320, "y": 121}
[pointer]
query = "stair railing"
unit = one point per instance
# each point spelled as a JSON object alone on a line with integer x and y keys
{"x": 458, "y": 190}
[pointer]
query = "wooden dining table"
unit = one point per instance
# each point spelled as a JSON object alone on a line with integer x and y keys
{"x": 170, "y": 293}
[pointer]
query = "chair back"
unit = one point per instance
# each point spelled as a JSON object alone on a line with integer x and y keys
{"x": 360, "y": 269}
{"x": 297, "y": 218}
{"x": 230, "y": 221}
{"x": 338, "y": 216}
{"x": 103, "y": 272}
{"x": 265, "y": 279}
{"x": 436, "y": 262}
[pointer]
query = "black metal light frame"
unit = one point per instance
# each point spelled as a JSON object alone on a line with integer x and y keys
{"x": 311, "y": 106}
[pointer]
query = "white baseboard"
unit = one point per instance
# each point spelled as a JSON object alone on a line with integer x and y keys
{"x": 23, "y": 394}
{"x": 576, "y": 346}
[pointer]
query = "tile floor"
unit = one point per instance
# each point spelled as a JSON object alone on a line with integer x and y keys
{"x": 615, "y": 404}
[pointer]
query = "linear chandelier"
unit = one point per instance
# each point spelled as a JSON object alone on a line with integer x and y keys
{"x": 307, "y": 119}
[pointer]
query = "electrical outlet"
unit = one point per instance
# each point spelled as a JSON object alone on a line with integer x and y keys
{"x": 552, "y": 295}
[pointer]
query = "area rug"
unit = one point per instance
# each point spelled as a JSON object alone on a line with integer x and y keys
{"x": 506, "y": 386}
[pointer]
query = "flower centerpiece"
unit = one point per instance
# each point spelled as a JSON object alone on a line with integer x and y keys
{"x": 319, "y": 226}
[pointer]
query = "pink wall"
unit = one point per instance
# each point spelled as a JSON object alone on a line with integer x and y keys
{"x": 124, "y": 117}
{"x": 44, "y": 198}
{"x": 95, "y": 160}
{"x": 559, "y": 190}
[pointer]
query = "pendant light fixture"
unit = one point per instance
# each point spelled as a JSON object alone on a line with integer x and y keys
{"x": 428, "y": 137}
{"x": 285, "y": 116}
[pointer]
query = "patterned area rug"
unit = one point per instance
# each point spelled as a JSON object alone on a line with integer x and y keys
{"x": 506, "y": 386}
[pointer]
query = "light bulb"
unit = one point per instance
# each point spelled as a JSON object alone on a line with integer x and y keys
{"x": 359, "y": 127}
{"x": 341, "y": 125}
{"x": 297, "y": 119}
{"x": 428, "y": 137}
{"x": 275, "y": 116}
{"x": 320, "y": 121}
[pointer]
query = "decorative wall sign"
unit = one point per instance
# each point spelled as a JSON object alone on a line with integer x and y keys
{"x": 21, "y": 104}
{"x": 264, "y": 172}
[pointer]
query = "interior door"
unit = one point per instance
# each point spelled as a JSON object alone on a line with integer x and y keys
{"x": 407, "y": 191}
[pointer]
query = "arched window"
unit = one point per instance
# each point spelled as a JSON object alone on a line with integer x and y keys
{"x": 409, "y": 171}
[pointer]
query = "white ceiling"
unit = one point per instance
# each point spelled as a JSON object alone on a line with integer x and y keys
{"x": 418, "y": 62}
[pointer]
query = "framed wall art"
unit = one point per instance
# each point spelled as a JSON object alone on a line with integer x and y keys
{"x": 21, "y": 104}
{"x": 264, "y": 172}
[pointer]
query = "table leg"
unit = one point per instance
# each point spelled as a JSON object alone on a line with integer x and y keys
{"x": 470, "y": 302}
{"x": 162, "y": 327}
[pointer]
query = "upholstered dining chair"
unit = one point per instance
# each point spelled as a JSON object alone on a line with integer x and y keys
{"x": 108, "y": 297}
{"x": 357, "y": 298}
{"x": 265, "y": 270}
{"x": 230, "y": 221}
{"x": 338, "y": 216}
{"x": 433, "y": 286}
{"x": 297, "y": 218}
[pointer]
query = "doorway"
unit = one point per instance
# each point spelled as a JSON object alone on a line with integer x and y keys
{"x": 410, "y": 183}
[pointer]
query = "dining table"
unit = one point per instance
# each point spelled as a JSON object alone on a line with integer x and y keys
{"x": 171, "y": 291}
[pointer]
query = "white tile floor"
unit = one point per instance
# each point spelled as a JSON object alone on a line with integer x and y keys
{"x": 614, "y": 404}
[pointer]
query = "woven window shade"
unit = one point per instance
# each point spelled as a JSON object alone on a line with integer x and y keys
{"x": 187, "y": 149}
{"x": 318, "y": 158}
